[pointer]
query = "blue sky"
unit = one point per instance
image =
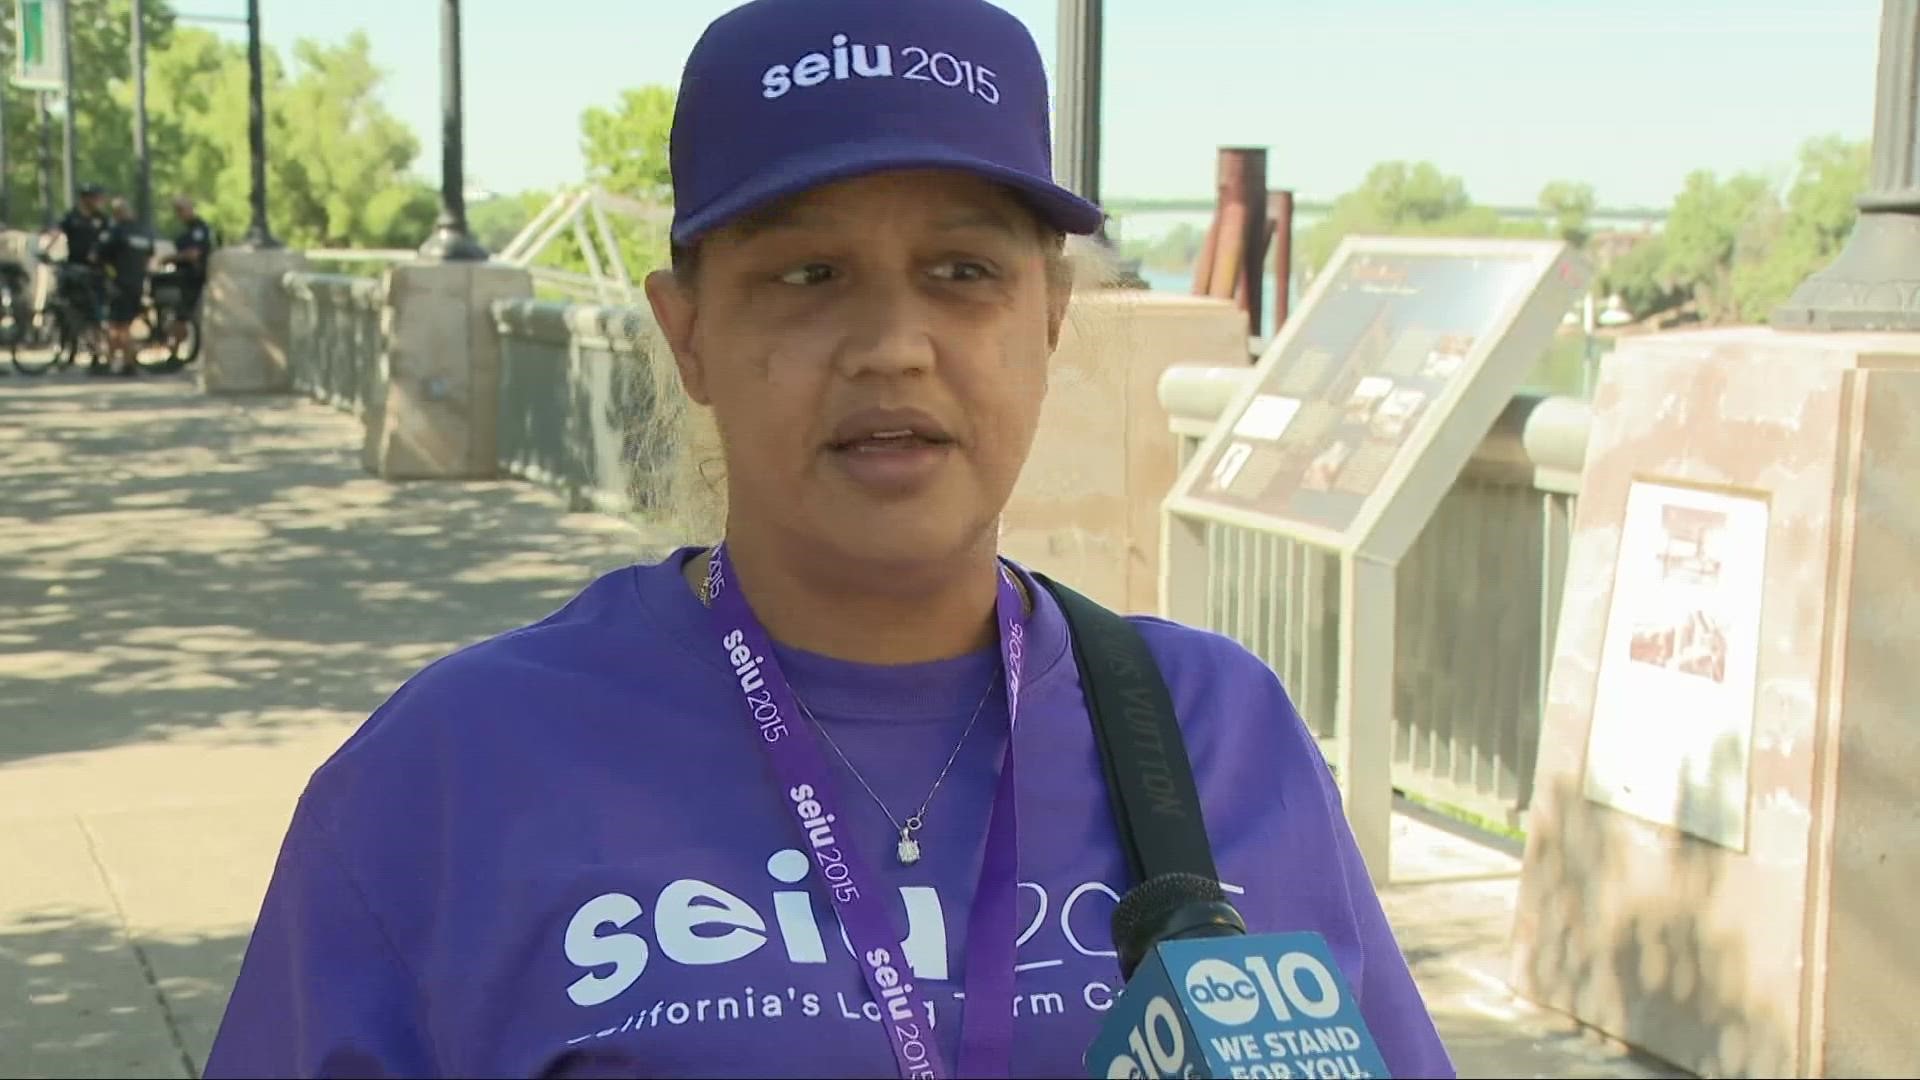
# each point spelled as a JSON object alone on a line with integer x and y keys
{"x": 1629, "y": 95}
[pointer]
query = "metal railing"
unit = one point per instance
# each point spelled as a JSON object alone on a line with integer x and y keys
{"x": 334, "y": 336}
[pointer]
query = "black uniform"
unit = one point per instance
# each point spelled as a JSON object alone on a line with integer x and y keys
{"x": 80, "y": 280}
{"x": 124, "y": 252}
{"x": 83, "y": 232}
{"x": 192, "y": 276}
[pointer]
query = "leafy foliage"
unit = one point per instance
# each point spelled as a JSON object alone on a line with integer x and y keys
{"x": 1735, "y": 248}
{"x": 1400, "y": 198}
{"x": 626, "y": 154}
{"x": 338, "y": 163}
{"x": 626, "y": 146}
{"x": 1570, "y": 205}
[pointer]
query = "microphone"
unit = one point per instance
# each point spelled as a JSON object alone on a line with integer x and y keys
{"x": 1206, "y": 999}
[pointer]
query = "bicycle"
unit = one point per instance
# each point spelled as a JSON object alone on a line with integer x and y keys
{"x": 69, "y": 322}
{"x": 14, "y": 295}
{"x": 164, "y": 304}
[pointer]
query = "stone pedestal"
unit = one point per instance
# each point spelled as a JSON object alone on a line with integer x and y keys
{"x": 435, "y": 402}
{"x": 244, "y": 321}
{"x": 1087, "y": 507}
{"x": 1721, "y": 850}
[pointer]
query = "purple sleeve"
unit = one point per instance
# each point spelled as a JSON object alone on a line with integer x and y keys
{"x": 1390, "y": 1002}
{"x": 321, "y": 991}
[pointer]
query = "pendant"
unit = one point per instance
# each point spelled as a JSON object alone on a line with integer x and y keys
{"x": 909, "y": 848}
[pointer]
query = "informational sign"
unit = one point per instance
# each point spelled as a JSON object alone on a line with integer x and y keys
{"x": 1357, "y": 421}
{"x": 39, "y": 45}
{"x": 1369, "y": 369}
{"x": 1673, "y": 708}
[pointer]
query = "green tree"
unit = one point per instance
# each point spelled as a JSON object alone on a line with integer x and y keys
{"x": 196, "y": 90}
{"x": 342, "y": 167}
{"x": 1400, "y": 198}
{"x": 1833, "y": 172}
{"x": 1703, "y": 231}
{"x": 626, "y": 146}
{"x": 1639, "y": 279}
{"x": 103, "y": 115}
{"x": 1569, "y": 205}
{"x": 1780, "y": 250}
{"x": 338, "y": 162}
{"x": 1736, "y": 248}
{"x": 496, "y": 221}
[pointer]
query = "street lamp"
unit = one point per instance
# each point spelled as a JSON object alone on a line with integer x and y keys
{"x": 1077, "y": 143}
{"x": 66, "y": 98}
{"x": 258, "y": 236}
{"x": 450, "y": 240}
{"x": 143, "y": 167}
{"x": 1874, "y": 283}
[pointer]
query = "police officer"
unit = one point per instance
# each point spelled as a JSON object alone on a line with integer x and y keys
{"x": 78, "y": 277}
{"x": 124, "y": 251}
{"x": 84, "y": 225}
{"x": 192, "y": 248}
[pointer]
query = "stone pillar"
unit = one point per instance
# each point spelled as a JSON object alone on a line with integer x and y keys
{"x": 1087, "y": 507}
{"x": 245, "y": 321}
{"x": 1720, "y": 849}
{"x": 1720, "y": 846}
{"x": 1874, "y": 283}
{"x": 435, "y": 402}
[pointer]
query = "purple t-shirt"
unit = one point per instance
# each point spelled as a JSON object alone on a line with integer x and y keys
{"x": 560, "y": 852}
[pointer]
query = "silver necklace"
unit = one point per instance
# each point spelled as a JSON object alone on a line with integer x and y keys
{"x": 908, "y": 849}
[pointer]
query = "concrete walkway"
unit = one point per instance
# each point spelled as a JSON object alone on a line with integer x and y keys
{"x": 200, "y": 599}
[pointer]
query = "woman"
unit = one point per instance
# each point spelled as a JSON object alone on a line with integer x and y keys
{"x": 650, "y": 834}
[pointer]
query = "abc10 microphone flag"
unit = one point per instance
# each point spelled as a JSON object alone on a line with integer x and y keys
{"x": 1270, "y": 1005}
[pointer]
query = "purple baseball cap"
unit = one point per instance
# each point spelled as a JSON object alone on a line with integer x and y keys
{"x": 781, "y": 96}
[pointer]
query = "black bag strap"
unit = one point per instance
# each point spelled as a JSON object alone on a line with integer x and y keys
{"x": 1149, "y": 780}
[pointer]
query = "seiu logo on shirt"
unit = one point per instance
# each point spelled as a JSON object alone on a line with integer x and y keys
{"x": 853, "y": 60}
{"x": 699, "y": 924}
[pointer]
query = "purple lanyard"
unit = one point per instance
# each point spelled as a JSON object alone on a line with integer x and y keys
{"x": 986, "y": 1019}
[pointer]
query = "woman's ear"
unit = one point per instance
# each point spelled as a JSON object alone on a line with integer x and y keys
{"x": 674, "y": 309}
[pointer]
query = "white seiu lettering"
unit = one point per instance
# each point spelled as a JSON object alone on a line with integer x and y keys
{"x": 686, "y": 905}
{"x": 846, "y": 59}
{"x": 700, "y": 924}
{"x": 776, "y": 82}
{"x": 812, "y": 70}
{"x": 878, "y": 66}
{"x": 793, "y": 909}
{"x": 840, "y": 56}
{"x": 925, "y": 947}
{"x": 586, "y": 948}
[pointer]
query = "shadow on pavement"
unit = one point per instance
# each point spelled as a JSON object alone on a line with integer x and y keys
{"x": 174, "y": 563}
{"x": 73, "y": 1008}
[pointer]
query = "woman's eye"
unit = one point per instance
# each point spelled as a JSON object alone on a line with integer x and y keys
{"x": 810, "y": 274}
{"x": 963, "y": 270}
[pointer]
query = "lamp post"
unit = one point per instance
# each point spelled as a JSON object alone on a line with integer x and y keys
{"x": 258, "y": 237}
{"x": 6, "y": 187}
{"x": 66, "y": 100}
{"x": 450, "y": 240}
{"x": 1874, "y": 283}
{"x": 143, "y": 167}
{"x": 1077, "y": 142}
{"x": 46, "y": 162}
